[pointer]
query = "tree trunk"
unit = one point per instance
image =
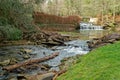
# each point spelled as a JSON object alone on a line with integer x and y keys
{"x": 31, "y": 61}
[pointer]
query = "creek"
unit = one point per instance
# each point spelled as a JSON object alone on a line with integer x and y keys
{"x": 14, "y": 54}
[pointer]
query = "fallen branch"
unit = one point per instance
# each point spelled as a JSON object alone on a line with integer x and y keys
{"x": 31, "y": 61}
{"x": 59, "y": 73}
{"x": 58, "y": 40}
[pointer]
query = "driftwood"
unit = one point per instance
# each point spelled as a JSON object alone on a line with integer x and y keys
{"x": 59, "y": 73}
{"x": 31, "y": 61}
{"x": 97, "y": 42}
{"x": 46, "y": 38}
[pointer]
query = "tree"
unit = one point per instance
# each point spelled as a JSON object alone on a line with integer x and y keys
{"x": 15, "y": 15}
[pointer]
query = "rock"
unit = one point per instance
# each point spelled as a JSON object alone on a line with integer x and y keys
{"x": 90, "y": 44}
{"x": 26, "y": 50}
{"x": 13, "y": 78}
{"x": 2, "y": 77}
{"x": 26, "y": 56}
{"x": 22, "y": 77}
{"x": 26, "y": 53}
{"x": 5, "y": 62}
{"x": 47, "y": 76}
{"x": 13, "y": 61}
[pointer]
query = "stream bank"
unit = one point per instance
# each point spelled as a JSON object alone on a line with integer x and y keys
{"x": 15, "y": 54}
{"x": 100, "y": 64}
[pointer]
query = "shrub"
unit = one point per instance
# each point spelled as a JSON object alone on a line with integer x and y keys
{"x": 15, "y": 18}
{"x": 10, "y": 32}
{"x": 17, "y": 13}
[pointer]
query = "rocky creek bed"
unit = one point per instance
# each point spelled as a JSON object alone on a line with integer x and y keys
{"x": 11, "y": 55}
{"x": 46, "y": 70}
{"x": 50, "y": 67}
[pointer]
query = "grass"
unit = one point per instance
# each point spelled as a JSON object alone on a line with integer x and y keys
{"x": 100, "y": 64}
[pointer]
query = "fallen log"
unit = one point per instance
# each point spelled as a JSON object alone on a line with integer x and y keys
{"x": 31, "y": 61}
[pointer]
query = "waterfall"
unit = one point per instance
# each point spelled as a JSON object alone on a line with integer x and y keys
{"x": 90, "y": 26}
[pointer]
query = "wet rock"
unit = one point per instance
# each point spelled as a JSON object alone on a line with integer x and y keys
{"x": 3, "y": 77}
{"x": 26, "y": 50}
{"x": 13, "y": 78}
{"x": 25, "y": 53}
{"x": 13, "y": 61}
{"x": 22, "y": 77}
{"x": 47, "y": 76}
{"x": 5, "y": 62}
{"x": 18, "y": 57}
{"x": 26, "y": 56}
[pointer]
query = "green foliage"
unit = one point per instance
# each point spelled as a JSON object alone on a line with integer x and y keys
{"x": 38, "y": 1}
{"x": 100, "y": 64}
{"x": 15, "y": 12}
{"x": 10, "y": 32}
{"x": 81, "y": 7}
{"x": 15, "y": 16}
{"x": 3, "y": 21}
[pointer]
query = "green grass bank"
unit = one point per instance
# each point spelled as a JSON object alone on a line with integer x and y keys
{"x": 100, "y": 64}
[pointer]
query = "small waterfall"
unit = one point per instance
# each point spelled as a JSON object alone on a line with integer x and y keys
{"x": 90, "y": 26}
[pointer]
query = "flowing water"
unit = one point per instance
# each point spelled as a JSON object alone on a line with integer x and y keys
{"x": 90, "y": 26}
{"x": 15, "y": 54}
{"x": 88, "y": 31}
